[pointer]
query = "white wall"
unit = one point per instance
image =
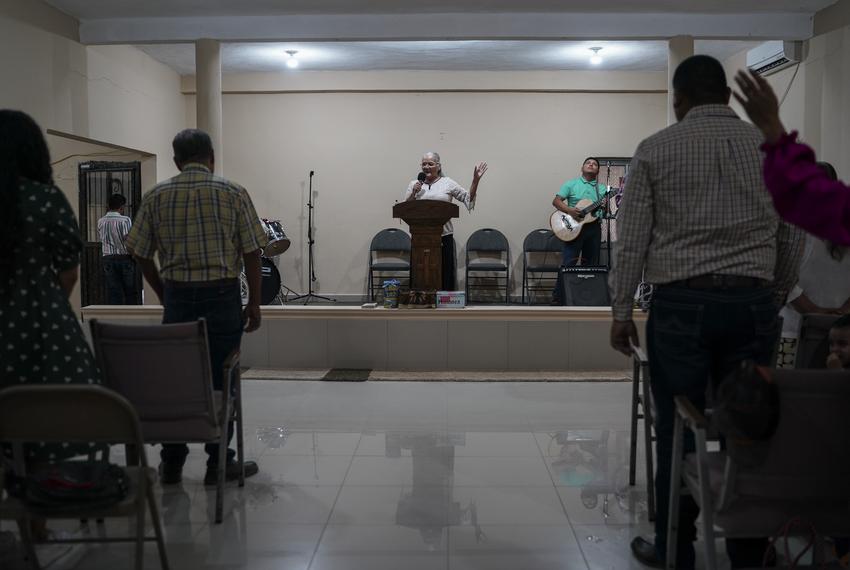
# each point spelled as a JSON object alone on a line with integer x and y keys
{"x": 135, "y": 101}
{"x": 827, "y": 92}
{"x": 115, "y": 94}
{"x": 366, "y": 147}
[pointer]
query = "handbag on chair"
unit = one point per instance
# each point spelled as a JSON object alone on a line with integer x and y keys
{"x": 69, "y": 484}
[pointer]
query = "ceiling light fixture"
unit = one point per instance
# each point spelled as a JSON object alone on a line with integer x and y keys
{"x": 595, "y": 59}
{"x": 291, "y": 62}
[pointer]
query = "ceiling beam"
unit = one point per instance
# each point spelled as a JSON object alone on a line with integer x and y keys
{"x": 39, "y": 15}
{"x": 504, "y": 26}
{"x": 832, "y": 17}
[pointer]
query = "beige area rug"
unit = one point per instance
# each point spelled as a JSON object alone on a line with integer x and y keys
{"x": 439, "y": 375}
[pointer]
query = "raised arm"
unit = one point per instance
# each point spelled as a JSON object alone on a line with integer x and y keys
{"x": 477, "y": 173}
{"x": 802, "y": 192}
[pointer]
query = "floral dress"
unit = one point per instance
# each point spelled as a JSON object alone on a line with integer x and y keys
{"x": 41, "y": 341}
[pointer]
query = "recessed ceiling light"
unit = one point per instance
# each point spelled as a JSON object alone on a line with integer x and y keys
{"x": 595, "y": 59}
{"x": 291, "y": 62}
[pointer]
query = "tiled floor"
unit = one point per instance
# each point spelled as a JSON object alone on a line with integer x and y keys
{"x": 409, "y": 476}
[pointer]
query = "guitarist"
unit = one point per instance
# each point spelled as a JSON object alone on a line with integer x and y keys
{"x": 586, "y": 246}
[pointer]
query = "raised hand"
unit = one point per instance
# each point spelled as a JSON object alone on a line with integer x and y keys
{"x": 479, "y": 171}
{"x": 760, "y": 102}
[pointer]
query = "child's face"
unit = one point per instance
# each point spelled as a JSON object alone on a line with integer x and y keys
{"x": 839, "y": 344}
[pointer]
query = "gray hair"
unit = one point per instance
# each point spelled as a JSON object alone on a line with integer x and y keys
{"x": 192, "y": 145}
{"x": 436, "y": 159}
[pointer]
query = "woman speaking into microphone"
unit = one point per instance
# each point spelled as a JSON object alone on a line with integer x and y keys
{"x": 433, "y": 185}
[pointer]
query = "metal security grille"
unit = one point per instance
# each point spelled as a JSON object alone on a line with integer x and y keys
{"x": 99, "y": 180}
{"x": 613, "y": 172}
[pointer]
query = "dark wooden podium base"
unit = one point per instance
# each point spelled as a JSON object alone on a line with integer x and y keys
{"x": 428, "y": 265}
{"x": 426, "y": 219}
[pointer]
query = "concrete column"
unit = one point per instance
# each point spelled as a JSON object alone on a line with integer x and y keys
{"x": 208, "y": 97}
{"x": 679, "y": 48}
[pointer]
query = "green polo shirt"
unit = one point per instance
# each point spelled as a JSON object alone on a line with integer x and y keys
{"x": 580, "y": 189}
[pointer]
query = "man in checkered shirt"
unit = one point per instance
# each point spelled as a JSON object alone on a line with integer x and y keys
{"x": 697, "y": 220}
{"x": 203, "y": 229}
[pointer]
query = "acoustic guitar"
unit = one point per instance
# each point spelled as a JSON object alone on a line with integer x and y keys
{"x": 568, "y": 228}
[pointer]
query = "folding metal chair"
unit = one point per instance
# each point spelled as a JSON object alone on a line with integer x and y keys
{"x": 78, "y": 414}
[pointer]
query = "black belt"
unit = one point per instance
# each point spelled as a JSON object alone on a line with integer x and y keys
{"x": 190, "y": 284}
{"x": 720, "y": 282}
{"x": 118, "y": 256}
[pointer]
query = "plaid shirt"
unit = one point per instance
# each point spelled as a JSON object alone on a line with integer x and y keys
{"x": 695, "y": 204}
{"x": 200, "y": 225}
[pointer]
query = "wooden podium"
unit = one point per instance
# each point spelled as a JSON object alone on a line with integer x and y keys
{"x": 426, "y": 219}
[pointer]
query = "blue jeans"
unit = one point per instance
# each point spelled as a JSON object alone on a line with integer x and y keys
{"x": 695, "y": 337}
{"x": 120, "y": 273}
{"x": 221, "y": 306}
{"x": 585, "y": 247}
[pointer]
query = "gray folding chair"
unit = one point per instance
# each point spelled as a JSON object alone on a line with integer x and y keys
{"x": 389, "y": 257}
{"x": 164, "y": 370}
{"x": 802, "y": 471}
{"x": 541, "y": 256}
{"x": 813, "y": 343}
{"x": 488, "y": 257}
{"x": 642, "y": 410}
{"x": 78, "y": 414}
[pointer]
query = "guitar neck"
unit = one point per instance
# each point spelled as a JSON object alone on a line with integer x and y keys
{"x": 596, "y": 204}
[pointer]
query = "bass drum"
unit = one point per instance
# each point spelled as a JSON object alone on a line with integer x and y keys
{"x": 269, "y": 283}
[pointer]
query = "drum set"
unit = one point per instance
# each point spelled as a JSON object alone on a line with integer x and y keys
{"x": 272, "y": 289}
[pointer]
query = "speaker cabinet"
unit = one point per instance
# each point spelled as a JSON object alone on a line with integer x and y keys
{"x": 585, "y": 286}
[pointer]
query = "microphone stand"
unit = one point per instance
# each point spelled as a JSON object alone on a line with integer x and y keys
{"x": 310, "y": 241}
{"x": 607, "y": 216}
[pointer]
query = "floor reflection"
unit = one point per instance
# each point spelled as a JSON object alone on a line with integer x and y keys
{"x": 596, "y": 463}
{"x": 412, "y": 475}
{"x": 430, "y": 506}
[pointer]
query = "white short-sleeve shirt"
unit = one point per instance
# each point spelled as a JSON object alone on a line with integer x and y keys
{"x": 824, "y": 280}
{"x": 444, "y": 189}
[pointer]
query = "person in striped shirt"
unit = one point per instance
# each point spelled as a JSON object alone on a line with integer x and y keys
{"x": 118, "y": 265}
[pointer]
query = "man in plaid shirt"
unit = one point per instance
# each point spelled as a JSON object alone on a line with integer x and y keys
{"x": 697, "y": 219}
{"x": 203, "y": 228}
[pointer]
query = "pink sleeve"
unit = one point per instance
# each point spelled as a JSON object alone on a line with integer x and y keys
{"x": 802, "y": 192}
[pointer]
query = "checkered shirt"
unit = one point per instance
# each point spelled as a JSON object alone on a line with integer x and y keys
{"x": 695, "y": 204}
{"x": 199, "y": 224}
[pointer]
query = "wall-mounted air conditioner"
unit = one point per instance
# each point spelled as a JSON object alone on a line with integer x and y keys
{"x": 772, "y": 56}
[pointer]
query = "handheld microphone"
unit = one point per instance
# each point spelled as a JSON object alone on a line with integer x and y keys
{"x": 422, "y": 176}
{"x": 311, "y": 174}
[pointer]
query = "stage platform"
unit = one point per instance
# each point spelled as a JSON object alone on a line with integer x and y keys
{"x": 474, "y": 338}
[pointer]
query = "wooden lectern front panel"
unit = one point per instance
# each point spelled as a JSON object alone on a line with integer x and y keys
{"x": 426, "y": 219}
{"x": 426, "y": 246}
